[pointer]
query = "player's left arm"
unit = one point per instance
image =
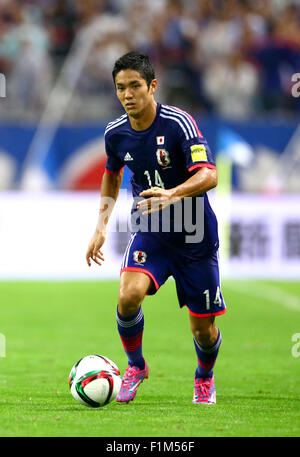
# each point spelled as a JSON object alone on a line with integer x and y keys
{"x": 201, "y": 182}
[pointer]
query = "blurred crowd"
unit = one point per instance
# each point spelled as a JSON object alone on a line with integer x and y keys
{"x": 231, "y": 58}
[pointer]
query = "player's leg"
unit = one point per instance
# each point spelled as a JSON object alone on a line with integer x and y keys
{"x": 207, "y": 341}
{"x": 198, "y": 287}
{"x": 130, "y": 320}
{"x": 204, "y": 329}
{"x": 144, "y": 270}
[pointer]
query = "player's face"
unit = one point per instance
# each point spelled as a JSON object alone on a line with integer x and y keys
{"x": 133, "y": 92}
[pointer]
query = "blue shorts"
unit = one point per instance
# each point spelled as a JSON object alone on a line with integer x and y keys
{"x": 197, "y": 279}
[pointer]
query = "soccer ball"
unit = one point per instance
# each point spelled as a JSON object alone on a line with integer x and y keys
{"x": 94, "y": 380}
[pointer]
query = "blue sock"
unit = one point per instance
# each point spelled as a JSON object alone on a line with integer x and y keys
{"x": 131, "y": 333}
{"x": 207, "y": 357}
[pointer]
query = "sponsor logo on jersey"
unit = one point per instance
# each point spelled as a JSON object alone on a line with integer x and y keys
{"x": 139, "y": 257}
{"x": 127, "y": 157}
{"x": 160, "y": 140}
{"x": 198, "y": 153}
{"x": 163, "y": 157}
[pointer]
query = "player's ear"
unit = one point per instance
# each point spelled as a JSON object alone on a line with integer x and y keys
{"x": 153, "y": 86}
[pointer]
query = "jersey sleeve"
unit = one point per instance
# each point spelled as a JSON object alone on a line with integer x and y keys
{"x": 113, "y": 164}
{"x": 196, "y": 151}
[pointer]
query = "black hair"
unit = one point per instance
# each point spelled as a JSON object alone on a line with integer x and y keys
{"x": 135, "y": 61}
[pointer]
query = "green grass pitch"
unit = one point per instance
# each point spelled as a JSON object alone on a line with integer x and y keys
{"x": 48, "y": 326}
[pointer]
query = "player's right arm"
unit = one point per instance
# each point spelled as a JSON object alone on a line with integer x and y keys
{"x": 110, "y": 186}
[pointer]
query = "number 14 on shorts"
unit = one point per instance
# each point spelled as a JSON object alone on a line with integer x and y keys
{"x": 217, "y": 300}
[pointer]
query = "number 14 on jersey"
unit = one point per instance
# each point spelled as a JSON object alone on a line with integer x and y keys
{"x": 158, "y": 182}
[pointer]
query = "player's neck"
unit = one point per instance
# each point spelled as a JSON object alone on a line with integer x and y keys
{"x": 143, "y": 120}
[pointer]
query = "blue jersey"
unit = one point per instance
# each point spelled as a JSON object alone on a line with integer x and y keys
{"x": 164, "y": 155}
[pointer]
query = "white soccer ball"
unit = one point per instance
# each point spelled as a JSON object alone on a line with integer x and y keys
{"x": 95, "y": 380}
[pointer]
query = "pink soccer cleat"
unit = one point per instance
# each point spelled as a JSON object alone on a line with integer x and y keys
{"x": 131, "y": 380}
{"x": 204, "y": 391}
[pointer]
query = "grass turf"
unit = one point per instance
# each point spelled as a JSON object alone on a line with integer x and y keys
{"x": 48, "y": 326}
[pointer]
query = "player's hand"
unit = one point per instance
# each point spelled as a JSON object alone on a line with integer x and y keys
{"x": 94, "y": 252}
{"x": 157, "y": 201}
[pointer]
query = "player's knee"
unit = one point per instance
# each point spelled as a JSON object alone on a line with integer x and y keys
{"x": 205, "y": 337}
{"x": 130, "y": 299}
{"x": 204, "y": 332}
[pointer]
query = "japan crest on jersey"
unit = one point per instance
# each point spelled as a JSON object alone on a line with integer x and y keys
{"x": 139, "y": 256}
{"x": 163, "y": 157}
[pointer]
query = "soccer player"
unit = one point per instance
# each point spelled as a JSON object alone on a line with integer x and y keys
{"x": 171, "y": 164}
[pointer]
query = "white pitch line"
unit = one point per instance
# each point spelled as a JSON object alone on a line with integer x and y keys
{"x": 270, "y": 293}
